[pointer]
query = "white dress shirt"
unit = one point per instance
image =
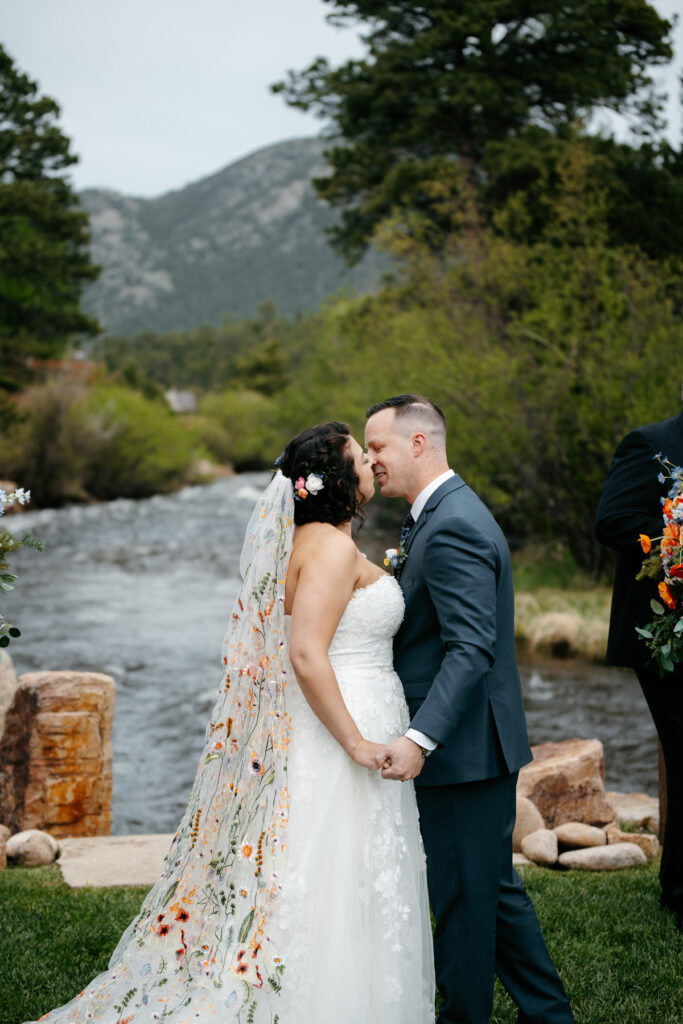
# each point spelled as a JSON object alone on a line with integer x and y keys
{"x": 416, "y": 508}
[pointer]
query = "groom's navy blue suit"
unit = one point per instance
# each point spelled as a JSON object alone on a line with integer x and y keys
{"x": 455, "y": 655}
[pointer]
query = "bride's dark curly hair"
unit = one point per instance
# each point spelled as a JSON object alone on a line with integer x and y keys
{"x": 324, "y": 449}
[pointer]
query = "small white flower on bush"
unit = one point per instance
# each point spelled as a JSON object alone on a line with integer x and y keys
{"x": 314, "y": 483}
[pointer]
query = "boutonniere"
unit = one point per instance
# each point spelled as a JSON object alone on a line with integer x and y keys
{"x": 395, "y": 557}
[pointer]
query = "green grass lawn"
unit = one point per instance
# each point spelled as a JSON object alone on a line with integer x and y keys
{"x": 620, "y": 957}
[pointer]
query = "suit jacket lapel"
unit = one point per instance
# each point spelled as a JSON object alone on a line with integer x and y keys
{"x": 453, "y": 483}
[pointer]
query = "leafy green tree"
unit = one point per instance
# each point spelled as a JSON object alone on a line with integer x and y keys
{"x": 543, "y": 354}
{"x": 251, "y": 354}
{"x": 43, "y": 234}
{"x": 643, "y": 186}
{"x": 447, "y": 79}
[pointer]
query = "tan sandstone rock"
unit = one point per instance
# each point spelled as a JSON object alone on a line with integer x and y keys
{"x": 565, "y": 781}
{"x": 113, "y": 860}
{"x": 8, "y": 685}
{"x": 574, "y": 835}
{"x": 637, "y": 809}
{"x": 540, "y": 846}
{"x": 648, "y": 844}
{"x": 3, "y": 855}
{"x": 604, "y": 858}
{"x": 528, "y": 820}
{"x": 55, "y": 754}
{"x": 31, "y": 848}
{"x": 5, "y": 832}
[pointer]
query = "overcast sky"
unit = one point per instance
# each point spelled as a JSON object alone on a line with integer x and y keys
{"x": 157, "y": 93}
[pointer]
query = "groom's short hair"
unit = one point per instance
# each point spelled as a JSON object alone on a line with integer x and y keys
{"x": 413, "y": 406}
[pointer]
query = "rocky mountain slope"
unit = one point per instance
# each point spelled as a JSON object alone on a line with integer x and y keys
{"x": 218, "y": 247}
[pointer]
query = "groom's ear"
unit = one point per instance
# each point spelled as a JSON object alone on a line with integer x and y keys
{"x": 418, "y": 443}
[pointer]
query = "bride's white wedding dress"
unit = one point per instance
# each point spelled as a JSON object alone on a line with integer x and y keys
{"x": 353, "y": 918}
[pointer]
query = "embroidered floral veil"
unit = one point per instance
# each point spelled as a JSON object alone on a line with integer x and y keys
{"x": 206, "y": 919}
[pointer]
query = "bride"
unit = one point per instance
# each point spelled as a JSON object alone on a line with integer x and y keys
{"x": 294, "y": 890}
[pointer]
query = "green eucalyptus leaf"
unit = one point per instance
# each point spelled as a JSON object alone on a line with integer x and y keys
{"x": 168, "y": 895}
{"x": 667, "y": 664}
{"x": 657, "y": 607}
{"x": 245, "y": 926}
{"x": 678, "y": 628}
{"x": 645, "y": 632}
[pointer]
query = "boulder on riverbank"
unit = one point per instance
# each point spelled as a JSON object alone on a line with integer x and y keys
{"x": 604, "y": 858}
{"x": 566, "y": 783}
{"x": 541, "y": 847}
{"x": 637, "y": 809}
{"x": 649, "y": 844}
{"x": 528, "y": 820}
{"x": 31, "y": 848}
{"x": 574, "y": 835}
{"x": 56, "y": 755}
{"x": 8, "y": 685}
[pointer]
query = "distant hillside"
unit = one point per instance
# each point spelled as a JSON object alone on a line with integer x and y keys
{"x": 222, "y": 245}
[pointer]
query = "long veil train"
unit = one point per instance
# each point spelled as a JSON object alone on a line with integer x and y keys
{"x": 201, "y": 940}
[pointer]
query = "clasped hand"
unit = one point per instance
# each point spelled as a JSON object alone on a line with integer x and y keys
{"x": 402, "y": 759}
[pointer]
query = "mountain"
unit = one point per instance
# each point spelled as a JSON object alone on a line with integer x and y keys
{"x": 220, "y": 246}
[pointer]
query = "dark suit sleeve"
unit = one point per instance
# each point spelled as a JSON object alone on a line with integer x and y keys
{"x": 459, "y": 568}
{"x": 631, "y": 496}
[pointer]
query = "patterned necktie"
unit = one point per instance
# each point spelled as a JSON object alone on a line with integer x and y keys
{"x": 406, "y": 529}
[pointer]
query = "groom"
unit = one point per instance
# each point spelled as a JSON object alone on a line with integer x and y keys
{"x": 455, "y": 655}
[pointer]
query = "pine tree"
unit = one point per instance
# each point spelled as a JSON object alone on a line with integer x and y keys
{"x": 44, "y": 259}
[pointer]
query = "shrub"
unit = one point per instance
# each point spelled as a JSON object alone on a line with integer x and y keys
{"x": 108, "y": 442}
{"x": 240, "y": 427}
{"x": 47, "y": 446}
{"x": 140, "y": 448}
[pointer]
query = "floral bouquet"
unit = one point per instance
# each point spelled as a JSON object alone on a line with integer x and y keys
{"x": 8, "y": 544}
{"x": 664, "y": 635}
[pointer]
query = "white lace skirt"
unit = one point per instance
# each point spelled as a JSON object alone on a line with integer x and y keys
{"x": 355, "y": 913}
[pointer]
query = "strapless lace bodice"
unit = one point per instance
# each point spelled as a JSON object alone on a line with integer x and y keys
{"x": 364, "y": 636}
{"x": 361, "y": 656}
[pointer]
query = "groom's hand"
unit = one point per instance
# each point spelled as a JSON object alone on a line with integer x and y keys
{"x": 405, "y": 760}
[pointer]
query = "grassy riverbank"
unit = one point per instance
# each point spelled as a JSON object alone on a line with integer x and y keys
{"x": 559, "y": 610}
{"x": 619, "y": 956}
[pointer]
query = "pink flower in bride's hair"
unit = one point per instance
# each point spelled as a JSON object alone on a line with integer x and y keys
{"x": 298, "y": 484}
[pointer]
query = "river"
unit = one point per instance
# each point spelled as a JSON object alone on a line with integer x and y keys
{"x": 143, "y": 590}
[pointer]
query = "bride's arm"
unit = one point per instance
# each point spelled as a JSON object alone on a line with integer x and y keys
{"x": 324, "y": 588}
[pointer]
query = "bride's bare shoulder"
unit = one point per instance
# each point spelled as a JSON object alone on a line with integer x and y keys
{"x": 313, "y": 539}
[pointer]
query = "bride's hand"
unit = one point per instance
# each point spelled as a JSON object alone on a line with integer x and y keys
{"x": 370, "y": 755}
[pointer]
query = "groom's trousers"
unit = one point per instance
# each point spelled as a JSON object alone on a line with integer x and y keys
{"x": 485, "y": 922}
{"x": 665, "y": 701}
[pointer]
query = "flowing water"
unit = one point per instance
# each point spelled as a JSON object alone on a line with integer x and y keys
{"x": 143, "y": 590}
